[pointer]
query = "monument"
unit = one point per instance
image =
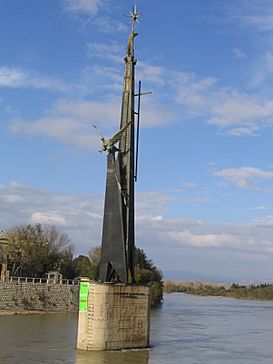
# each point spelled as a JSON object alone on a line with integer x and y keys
{"x": 114, "y": 312}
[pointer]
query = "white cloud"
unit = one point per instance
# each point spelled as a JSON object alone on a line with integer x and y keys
{"x": 78, "y": 215}
{"x": 252, "y": 15}
{"x": 112, "y": 51}
{"x": 241, "y": 237}
{"x": 18, "y": 78}
{"x": 189, "y": 184}
{"x": 70, "y": 122}
{"x": 244, "y": 177}
{"x": 238, "y": 53}
{"x": 107, "y": 25}
{"x": 151, "y": 203}
{"x": 48, "y": 218}
{"x": 266, "y": 220}
{"x": 88, "y": 12}
{"x": 200, "y": 200}
{"x": 233, "y": 112}
{"x": 262, "y": 23}
{"x": 151, "y": 73}
{"x": 64, "y": 129}
{"x": 201, "y": 240}
{"x": 89, "y": 7}
{"x": 164, "y": 239}
{"x": 249, "y": 238}
{"x": 11, "y": 77}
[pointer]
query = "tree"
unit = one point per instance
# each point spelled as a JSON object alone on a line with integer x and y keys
{"x": 146, "y": 273}
{"x": 82, "y": 267}
{"x": 94, "y": 256}
{"x": 67, "y": 268}
{"x": 37, "y": 249}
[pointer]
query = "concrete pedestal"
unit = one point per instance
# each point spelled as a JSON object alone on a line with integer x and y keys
{"x": 114, "y": 317}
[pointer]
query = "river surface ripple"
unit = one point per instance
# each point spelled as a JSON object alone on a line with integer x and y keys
{"x": 186, "y": 329}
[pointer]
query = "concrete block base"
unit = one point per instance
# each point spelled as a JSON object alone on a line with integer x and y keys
{"x": 117, "y": 317}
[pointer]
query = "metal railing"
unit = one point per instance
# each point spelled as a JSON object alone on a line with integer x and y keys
{"x": 71, "y": 282}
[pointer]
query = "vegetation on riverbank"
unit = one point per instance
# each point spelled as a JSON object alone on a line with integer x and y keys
{"x": 147, "y": 273}
{"x": 34, "y": 250}
{"x": 251, "y": 292}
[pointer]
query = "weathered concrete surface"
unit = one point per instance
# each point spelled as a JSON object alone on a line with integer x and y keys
{"x": 35, "y": 296}
{"x": 118, "y": 317}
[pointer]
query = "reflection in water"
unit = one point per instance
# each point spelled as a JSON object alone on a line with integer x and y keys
{"x": 112, "y": 357}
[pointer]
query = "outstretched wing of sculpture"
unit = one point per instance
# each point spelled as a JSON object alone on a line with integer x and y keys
{"x": 116, "y": 137}
{"x": 109, "y": 144}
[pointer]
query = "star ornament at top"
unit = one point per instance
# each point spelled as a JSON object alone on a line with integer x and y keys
{"x": 134, "y": 15}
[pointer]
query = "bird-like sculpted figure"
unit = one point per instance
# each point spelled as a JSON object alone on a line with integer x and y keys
{"x": 109, "y": 144}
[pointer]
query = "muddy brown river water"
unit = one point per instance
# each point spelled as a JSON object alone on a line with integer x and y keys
{"x": 186, "y": 329}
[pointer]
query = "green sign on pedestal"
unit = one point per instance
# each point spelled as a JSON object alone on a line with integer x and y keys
{"x": 84, "y": 286}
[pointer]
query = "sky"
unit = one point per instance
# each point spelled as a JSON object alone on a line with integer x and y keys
{"x": 205, "y": 189}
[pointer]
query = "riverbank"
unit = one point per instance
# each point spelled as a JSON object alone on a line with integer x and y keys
{"x": 31, "y": 297}
{"x": 25, "y": 312}
{"x": 262, "y": 292}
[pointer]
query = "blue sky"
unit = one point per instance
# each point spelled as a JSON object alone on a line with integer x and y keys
{"x": 204, "y": 196}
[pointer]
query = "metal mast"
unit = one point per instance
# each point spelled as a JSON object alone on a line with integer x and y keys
{"x": 118, "y": 237}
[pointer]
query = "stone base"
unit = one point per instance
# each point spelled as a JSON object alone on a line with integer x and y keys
{"x": 117, "y": 317}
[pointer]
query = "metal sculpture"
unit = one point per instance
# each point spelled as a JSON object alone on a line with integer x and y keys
{"x": 118, "y": 235}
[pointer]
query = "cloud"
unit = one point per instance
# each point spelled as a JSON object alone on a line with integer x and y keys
{"x": 236, "y": 237}
{"x": 234, "y": 112}
{"x": 78, "y": 215}
{"x": 251, "y": 15}
{"x": 238, "y": 53}
{"x": 200, "y": 200}
{"x": 266, "y": 221}
{"x": 259, "y": 208}
{"x": 89, "y": 7}
{"x": 18, "y": 78}
{"x": 151, "y": 74}
{"x": 260, "y": 22}
{"x": 11, "y": 77}
{"x": 70, "y": 122}
{"x": 201, "y": 240}
{"x": 170, "y": 241}
{"x": 88, "y": 12}
{"x": 107, "y": 25}
{"x": 48, "y": 218}
{"x": 112, "y": 51}
{"x": 249, "y": 238}
{"x": 244, "y": 177}
{"x": 151, "y": 203}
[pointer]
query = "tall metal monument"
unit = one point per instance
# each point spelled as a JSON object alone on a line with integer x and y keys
{"x": 118, "y": 236}
{"x": 117, "y": 316}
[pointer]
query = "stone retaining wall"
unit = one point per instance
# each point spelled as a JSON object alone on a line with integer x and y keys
{"x": 36, "y": 296}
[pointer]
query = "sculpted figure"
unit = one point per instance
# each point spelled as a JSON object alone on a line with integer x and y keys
{"x": 109, "y": 144}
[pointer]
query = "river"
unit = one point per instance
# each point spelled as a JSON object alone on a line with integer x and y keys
{"x": 186, "y": 329}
